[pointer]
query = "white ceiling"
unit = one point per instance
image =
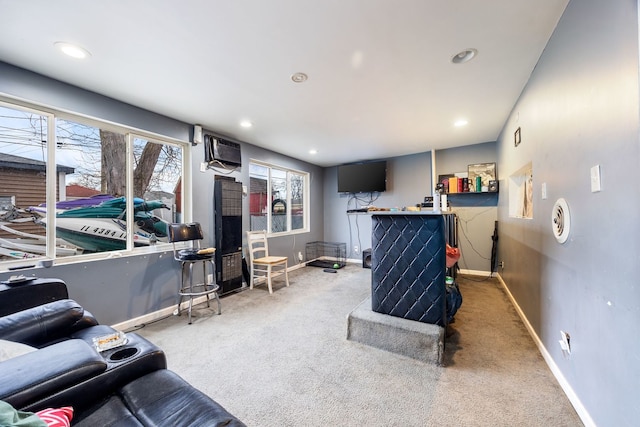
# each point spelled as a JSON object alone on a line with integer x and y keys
{"x": 381, "y": 82}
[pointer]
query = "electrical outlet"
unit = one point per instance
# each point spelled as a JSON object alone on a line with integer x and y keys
{"x": 356, "y": 249}
{"x": 300, "y": 257}
{"x": 565, "y": 342}
{"x": 502, "y": 265}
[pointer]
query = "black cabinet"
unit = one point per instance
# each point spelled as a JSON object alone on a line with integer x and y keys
{"x": 227, "y": 199}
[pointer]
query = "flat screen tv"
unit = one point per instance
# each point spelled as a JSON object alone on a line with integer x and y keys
{"x": 362, "y": 177}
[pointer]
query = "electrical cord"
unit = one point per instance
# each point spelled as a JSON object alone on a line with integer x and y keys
{"x": 222, "y": 165}
{"x": 463, "y": 229}
{"x": 358, "y": 233}
{"x": 293, "y": 249}
{"x": 464, "y": 233}
{"x": 142, "y": 325}
{"x": 484, "y": 279}
{"x": 373, "y": 196}
{"x": 352, "y": 197}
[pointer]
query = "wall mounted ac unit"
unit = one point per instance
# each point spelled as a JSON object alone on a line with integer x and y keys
{"x": 221, "y": 150}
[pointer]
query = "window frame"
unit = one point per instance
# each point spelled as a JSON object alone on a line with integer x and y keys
{"x": 130, "y": 133}
{"x": 306, "y": 198}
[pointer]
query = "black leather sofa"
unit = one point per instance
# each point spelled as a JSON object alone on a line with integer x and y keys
{"x": 72, "y": 373}
{"x": 128, "y": 385}
{"x": 30, "y": 293}
{"x": 49, "y": 323}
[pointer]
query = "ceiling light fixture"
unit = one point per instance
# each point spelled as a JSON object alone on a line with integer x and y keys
{"x": 464, "y": 56}
{"x": 460, "y": 123}
{"x": 313, "y": 151}
{"x": 72, "y": 50}
{"x": 246, "y": 124}
{"x": 299, "y": 77}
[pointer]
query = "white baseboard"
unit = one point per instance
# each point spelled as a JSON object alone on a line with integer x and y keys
{"x": 134, "y": 323}
{"x": 566, "y": 387}
{"x": 297, "y": 266}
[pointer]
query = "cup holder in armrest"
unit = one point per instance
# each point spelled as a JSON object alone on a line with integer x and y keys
{"x": 123, "y": 354}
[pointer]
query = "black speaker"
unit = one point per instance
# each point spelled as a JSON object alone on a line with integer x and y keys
{"x": 366, "y": 258}
{"x": 493, "y": 186}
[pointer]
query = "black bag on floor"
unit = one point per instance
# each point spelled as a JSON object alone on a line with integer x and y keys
{"x": 453, "y": 300}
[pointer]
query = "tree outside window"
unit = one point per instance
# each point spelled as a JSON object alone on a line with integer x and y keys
{"x": 90, "y": 185}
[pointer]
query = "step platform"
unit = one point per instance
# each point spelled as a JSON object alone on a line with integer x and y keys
{"x": 417, "y": 340}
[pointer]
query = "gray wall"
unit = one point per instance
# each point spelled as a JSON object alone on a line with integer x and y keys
{"x": 28, "y": 86}
{"x": 282, "y": 245}
{"x": 408, "y": 182}
{"x": 580, "y": 109}
{"x": 476, "y": 213}
{"x": 118, "y": 289}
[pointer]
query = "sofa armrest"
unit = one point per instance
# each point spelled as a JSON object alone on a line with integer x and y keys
{"x": 126, "y": 363}
{"x": 164, "y": 398}
{"x": 86, "y": 321}
{"x": 31, "y": 294}
{"x": 43, "y": 324}
{"x": 36, "y": 375}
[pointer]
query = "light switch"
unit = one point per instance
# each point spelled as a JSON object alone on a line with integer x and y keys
{"x": 595, "y": 179}
{"x": 543, "y": 191}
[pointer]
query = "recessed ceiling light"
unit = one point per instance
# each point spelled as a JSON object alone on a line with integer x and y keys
{"x": 460, "y": 123}
{"x": 72, "y": 50}
{"x": 464, "y": 56}
{"x": 299, "y": 77}
{"x": 313, "y": 151}
{"x": 246, "y": 124}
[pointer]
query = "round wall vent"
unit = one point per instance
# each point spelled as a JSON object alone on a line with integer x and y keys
{"x": 561, "y": 220}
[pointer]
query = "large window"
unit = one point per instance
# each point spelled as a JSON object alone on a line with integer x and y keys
{"x": 278, "y": 199}
{"x": 23, "y": 182}
{"x": 99, "y": 188}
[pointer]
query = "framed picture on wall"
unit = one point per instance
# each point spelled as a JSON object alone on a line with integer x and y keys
{"x": 485, "y": 171}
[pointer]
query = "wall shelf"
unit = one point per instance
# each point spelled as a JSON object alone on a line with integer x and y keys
{"x": 471, "y": 193}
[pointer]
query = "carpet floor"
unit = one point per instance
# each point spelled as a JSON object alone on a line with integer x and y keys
{"x": 284, "y": 360}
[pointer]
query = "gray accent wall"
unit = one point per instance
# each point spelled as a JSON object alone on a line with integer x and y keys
{"x": 476, "y": 213}
{"x": 580, "y": 108}
{"x": 121, "y": 288}
{"x": 408, "y": 181}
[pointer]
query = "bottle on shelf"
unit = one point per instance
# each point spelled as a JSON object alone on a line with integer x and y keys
{"x": 436, "y": 201}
